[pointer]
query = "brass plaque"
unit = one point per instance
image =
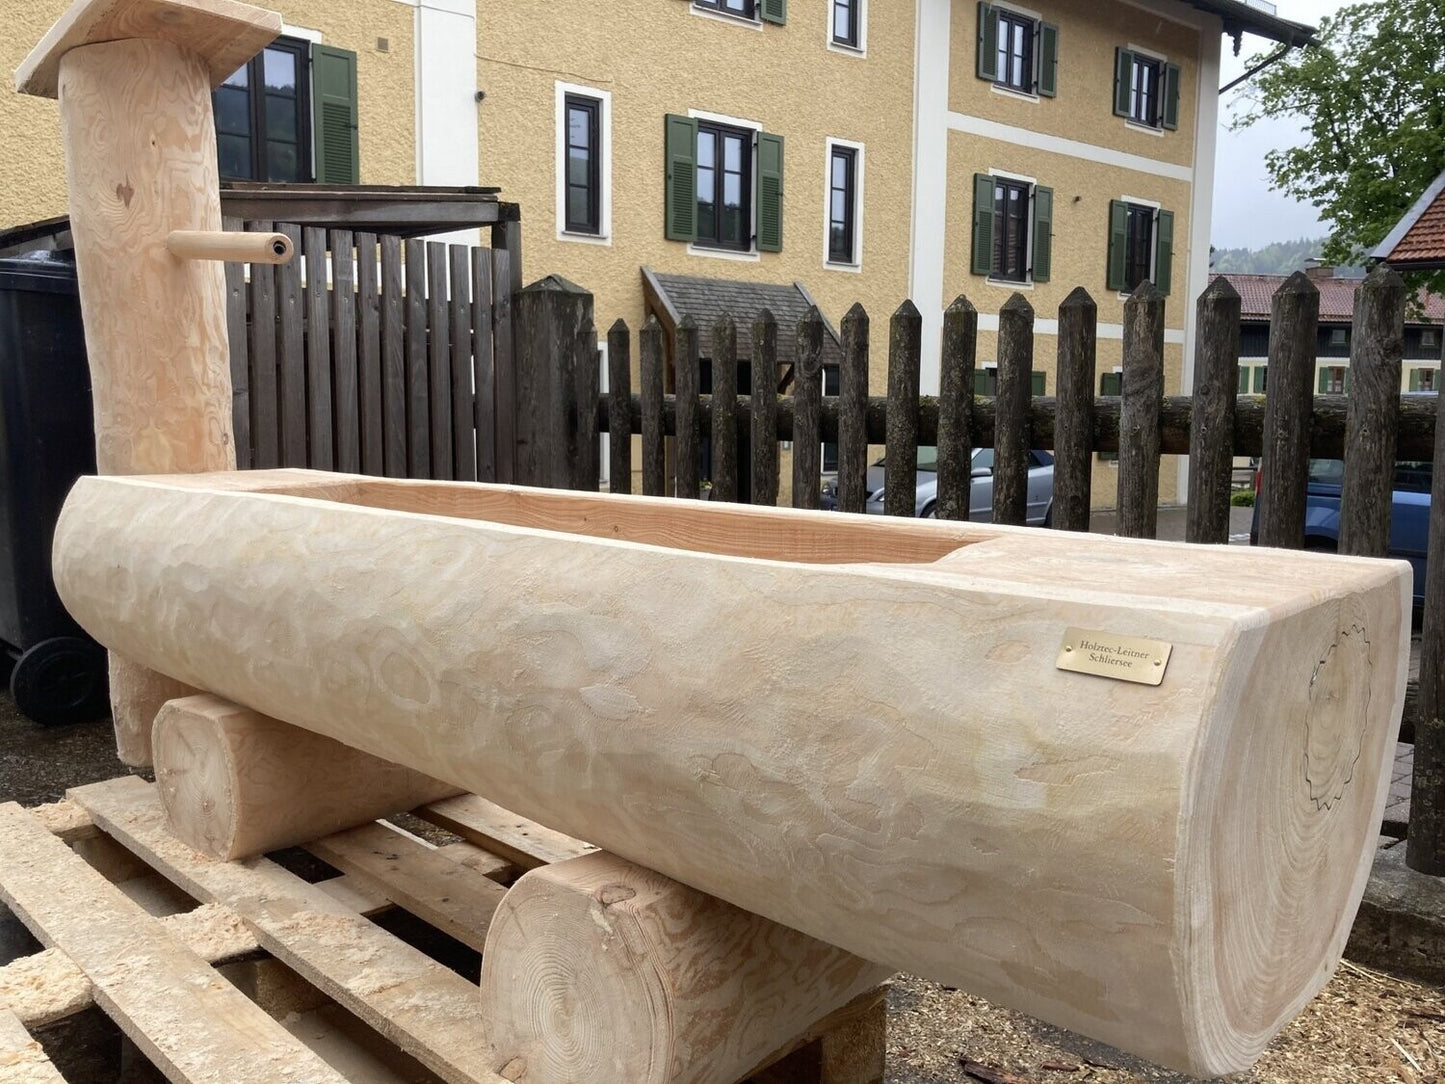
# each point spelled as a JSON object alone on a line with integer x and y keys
{"x": 1107, "y": 654}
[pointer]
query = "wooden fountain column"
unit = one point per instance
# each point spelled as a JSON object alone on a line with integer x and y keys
{"x": 134, "y": 79}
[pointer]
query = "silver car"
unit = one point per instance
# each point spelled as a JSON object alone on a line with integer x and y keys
{"x": 980, "y": 504}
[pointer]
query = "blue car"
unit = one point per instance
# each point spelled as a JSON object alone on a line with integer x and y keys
{"x": 1409, "y": 514}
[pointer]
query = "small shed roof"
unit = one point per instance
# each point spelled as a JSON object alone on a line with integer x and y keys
{"x": 676, "y": 296}
{"x": 1256, "y": 17}
{"x": 1417, "y": 243}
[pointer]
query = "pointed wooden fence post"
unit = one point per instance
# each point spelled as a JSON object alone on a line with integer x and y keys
{"x": 764, "y": 409}
{"x": 619, "y": 408}
{"x": 1143, "y": 399}
{"x": 725, "y": 409}
{"x": 654, "y": 437}
{"x": 1211, "y": 419}
{"x": 1074, "y": 424}
{"x": 853, "y": 413}
{"x": 955, "y": 409}
{"x": 1288, "y": 408}
{"x": 689, "y": 448}
{"x": 905, "y": 360}
{"x": 1012, "y": 436}
{"x": 1376, "y": 350}
{"x": 808, "y": 411}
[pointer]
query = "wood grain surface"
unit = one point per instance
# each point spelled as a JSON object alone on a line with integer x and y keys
{"x": 597, "y": 969}
{"x": 222, "y": 34}
{"x": 1150, "y": 866}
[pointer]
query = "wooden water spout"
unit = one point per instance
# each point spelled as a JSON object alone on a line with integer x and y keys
{"x": 134, "y": 79}
{"x": 1125, "y": 786}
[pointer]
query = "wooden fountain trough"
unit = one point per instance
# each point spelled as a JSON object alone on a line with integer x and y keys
{"x": 1129, "y": 787}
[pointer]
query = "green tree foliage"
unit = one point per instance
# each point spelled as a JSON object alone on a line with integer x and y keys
{"x": 1371, "y": 104}
{"x": 1280, "y": 258}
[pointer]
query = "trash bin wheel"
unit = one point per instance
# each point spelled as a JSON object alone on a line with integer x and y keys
{"x": 61, "y": 681}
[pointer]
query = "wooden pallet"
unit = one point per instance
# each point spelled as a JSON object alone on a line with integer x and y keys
{"x": 247, "y": 971}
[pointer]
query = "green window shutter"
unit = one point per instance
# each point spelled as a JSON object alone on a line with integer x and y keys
{"x": 1123, "y": 81}
{"x": 980, "y": 381}
{"x": 1164, "y": 252}
{"x": 1324, "y": 380}
{"x": 1261, "y": 378}
{"x": 1244, "y": 380}
{"x": 770, "y": 192}
{"x": 1414, "y": 379}
{"x": 1047, "y": 52}
{"x": 1038, "y": 382}
{"x": 1043, "y": 233}
{"x": 983, "y": 189}
{"x": 1118, "y": 243}
{"x": 333, "y": 76}
{"x": 1111, "y": 384}
{"x": 774, "y": 11}
{"x": 1171, "y": 97}
{"x": 987, "y": 42}
{"x": 681, "y": 182}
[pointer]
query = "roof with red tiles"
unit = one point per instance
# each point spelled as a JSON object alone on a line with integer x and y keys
{"x": 1418, "y": 240}
{"x": 1337, "y": 298}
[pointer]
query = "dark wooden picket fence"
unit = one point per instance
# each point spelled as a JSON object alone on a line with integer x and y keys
{"x": 374, "y": 354}
{"x": 561, "y": 415}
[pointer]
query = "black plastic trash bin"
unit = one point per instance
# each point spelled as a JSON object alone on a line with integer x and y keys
{"x": 47, "y": 440}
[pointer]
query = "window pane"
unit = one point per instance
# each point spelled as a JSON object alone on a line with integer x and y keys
{"x": 235, "y": 154}
{"x": 233, "y": 111}
{"x": 579, "y": 127}
{"x": 578, "y": 213}
{"x": 282, "y": 162}
{"x": 706, "y": 150}
{"x": 282, "y": 121}
{"x": 280, "y": 67}
{"x": 706, "y": 185}
{"x": 241, "y": 77}
{"x": 733, "y": 154}
{"x": 732, "y": 190}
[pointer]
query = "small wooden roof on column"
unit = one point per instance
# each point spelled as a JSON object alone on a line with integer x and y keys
{"x": 225, "y": 35}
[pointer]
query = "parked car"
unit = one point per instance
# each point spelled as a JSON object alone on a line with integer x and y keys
{"x": 980, "y": 504}
{"x": 1409, "y": 513}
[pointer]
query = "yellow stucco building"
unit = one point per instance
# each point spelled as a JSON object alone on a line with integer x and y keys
{"x": 864, "y": 150}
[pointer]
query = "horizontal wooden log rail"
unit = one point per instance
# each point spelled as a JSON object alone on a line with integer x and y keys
{"x": 1327, "y": 427}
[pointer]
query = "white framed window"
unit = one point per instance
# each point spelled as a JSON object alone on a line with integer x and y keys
{"x": 726, "y": 183}
{"x": 1012, "y": 242}
{"x": 584, "y": 164}
{"x": 843, "y": 205}
{"x": 738, "y": 12}
{"x": 848, "y": 27}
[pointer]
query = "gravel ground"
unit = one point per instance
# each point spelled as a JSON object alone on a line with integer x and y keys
{"x": 1365, "y": 1027}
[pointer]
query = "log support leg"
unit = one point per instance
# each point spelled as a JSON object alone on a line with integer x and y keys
{"x": 236, "y": 783}
{"x": 597, "y": 969}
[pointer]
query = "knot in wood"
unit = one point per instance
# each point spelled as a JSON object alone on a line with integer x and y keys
{"x": 611, "y": 894}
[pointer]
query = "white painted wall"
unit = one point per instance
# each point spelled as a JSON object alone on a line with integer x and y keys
{"x": 446, "y": 98}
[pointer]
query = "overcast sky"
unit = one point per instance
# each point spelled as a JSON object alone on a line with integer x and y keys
{"x": 1246, "y": 213}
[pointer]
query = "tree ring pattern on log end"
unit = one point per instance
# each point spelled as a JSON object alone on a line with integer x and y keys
{"x": 1339, "y": 702}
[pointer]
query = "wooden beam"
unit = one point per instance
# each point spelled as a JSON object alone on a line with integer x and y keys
{"x": 487, "y": 825}
{"x": 184, "y": 1017}
{"x": 453, "y": 897}
{"x": 222, "y": 33}
{"x": 426, "y": 1009}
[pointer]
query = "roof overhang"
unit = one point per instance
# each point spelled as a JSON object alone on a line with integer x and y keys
{"x": 1241, "y": 17}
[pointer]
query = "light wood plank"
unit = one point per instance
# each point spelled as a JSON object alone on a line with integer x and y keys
{"x": 22, "y": 1059}
{"x": 429, "y": 1011}
{"x": 66, "y": 820}
{"x": 49, "y": 985}
{"x": 181, "y": 1014}
{"x": 500, "y": 831}
{"x": 224, "y": 33}
{"x": 453, "y": 897}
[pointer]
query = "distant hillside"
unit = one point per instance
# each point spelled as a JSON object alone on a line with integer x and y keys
{"x": 1280, "y": 258}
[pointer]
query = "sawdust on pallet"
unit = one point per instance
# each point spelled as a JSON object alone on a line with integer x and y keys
{"x": 43, "y": 988}
{"x": 1364, "y": 1028}
{"x": 213, "y": 932}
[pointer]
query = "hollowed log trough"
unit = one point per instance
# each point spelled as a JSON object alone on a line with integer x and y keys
{"x": 867, "y": 730}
